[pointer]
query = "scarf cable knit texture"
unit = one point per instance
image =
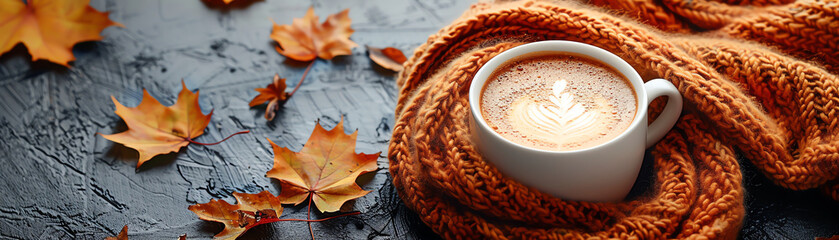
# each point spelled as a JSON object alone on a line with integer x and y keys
{"x": 759, "y": 80}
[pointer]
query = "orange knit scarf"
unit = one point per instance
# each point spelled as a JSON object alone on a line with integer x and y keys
{"x": 759, "y": 80}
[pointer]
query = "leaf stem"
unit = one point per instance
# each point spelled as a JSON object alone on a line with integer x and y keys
{"x": 225, "y": 139}
{"x": 317, "y": 220}
{"x": 301, "y": 79}
{"x": 311, "y": 194}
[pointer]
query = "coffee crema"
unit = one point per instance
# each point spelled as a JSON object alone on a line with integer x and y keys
{"x": 557, "y": 101}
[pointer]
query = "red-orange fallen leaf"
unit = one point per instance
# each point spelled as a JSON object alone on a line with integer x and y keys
{"x": 305, "y": 39}
{"x": 325, "y": 169}
{"x": 250, "y": 211}
{"x": 274, "y": 94}
{"x": 50, "y": 28}
{"x": 228, "y": 4}
{"x": 390, "y": 58}
{"x": 123, "y": 235}
{"x": 155, "y": 129}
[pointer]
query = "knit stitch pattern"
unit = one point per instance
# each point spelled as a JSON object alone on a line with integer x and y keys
{"x": 759, "y": 81}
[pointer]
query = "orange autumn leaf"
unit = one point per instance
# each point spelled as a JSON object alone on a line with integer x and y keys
{"x": 325, "y": 169}
{"x": 228, "y": 4}
{"x": 155, "y": 129}
{"x": 390, "y": 58}
{"x": 274, "y": 94}
{"x": 305, "y": 39}
{"x": 250, "y": 211}
{"x": 50, "y": 28}
{"x": 123, "y": 235}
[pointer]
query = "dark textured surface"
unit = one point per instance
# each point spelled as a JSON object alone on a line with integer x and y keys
{"x": 61, "y": 181}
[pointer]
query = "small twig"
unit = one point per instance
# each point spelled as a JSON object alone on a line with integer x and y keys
{"x": 225, "y": 139}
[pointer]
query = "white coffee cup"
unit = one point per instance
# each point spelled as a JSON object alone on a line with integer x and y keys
{"x": 603, "y": 173}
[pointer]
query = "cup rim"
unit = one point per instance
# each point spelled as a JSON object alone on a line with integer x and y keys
{"x": 603, "y": 56}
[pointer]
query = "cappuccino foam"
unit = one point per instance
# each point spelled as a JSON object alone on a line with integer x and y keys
{"x": 557, "y": 102}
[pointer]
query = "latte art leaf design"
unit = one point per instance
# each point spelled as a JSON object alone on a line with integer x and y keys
{"x": 560, "y": 120}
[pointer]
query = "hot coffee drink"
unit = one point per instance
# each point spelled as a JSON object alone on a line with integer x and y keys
{"x": 557, "y": 101}
{"x": 565, "y": 118}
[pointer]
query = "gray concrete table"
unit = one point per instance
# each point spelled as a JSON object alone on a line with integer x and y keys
{"x": 61, "y": 181}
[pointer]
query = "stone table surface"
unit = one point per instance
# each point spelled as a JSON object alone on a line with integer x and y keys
{"x": 62, "y": 181}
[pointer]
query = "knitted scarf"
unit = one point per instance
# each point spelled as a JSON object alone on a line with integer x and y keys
{"x": 759, "y": 80}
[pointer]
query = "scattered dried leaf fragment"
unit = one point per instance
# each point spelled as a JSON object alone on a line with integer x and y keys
{"x": 390, "y": 58}
{"x": 250, "y": 211}
{"x": 305, "y": 39}
{"x": 123, "y": 235}
{"x": 50, "y": 28}
{"x": 274, "y": 94}
{"x": 325, "y": 169}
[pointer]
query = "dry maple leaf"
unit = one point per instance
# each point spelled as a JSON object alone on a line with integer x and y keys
{"x": 228, "y": 4}
{"x": 305, "y": 39}
{"x": 325, "y": 169}
{"x": 390, "y": 58}
{"x": 250, "y": 211}
{"x": 123, "y": 235}
{"x": 155, "y": 129}
{"x": 50, "y": 28}
{"x": 274, "y": 94}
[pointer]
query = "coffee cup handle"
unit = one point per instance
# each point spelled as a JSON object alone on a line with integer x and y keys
{"x": 657, "y": 88}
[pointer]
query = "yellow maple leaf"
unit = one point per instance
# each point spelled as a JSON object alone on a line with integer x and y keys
{"x": 325, "y": 169}
{"x": 155, "y": 129}
{"x": 305, "y": 39}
